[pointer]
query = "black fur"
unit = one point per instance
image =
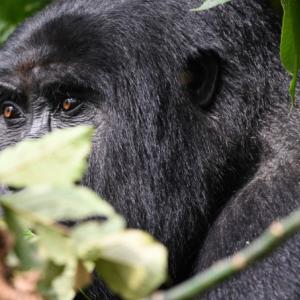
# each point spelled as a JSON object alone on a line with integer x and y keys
{"x": 203, "y": 161}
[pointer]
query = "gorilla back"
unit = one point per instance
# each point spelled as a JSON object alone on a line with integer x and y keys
{"x": 193, "y": 138}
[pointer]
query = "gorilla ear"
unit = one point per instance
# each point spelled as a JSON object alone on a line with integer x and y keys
{"x": 201, "y": 77}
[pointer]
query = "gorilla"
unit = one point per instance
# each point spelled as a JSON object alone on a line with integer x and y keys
{"x": 195, "y": 139}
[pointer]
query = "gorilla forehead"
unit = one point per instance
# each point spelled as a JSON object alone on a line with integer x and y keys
{"x": 110, "y": 33}
{"x": 114, "y": 34}
{"x": 75, "y": 38}
{"x": 65, "y": 40}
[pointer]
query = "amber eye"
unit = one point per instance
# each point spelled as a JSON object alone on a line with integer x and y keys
{"x": 69, "y": 104}
{"x": 9, "y": 112}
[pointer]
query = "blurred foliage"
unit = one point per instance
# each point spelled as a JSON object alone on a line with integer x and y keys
{"x": 131, "y": 262}
{"x": 12, "y": 12}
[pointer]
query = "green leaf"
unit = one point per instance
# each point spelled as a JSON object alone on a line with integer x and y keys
{"x": 210, "y": 4}
{"x": 51, "y": 271}
{"x": 91, "y": 232}
{"x": 30, "y": 236}
{"x": 290, "y": 41}
{"x": 47, "y": 205}
{"x": 24, "y": 250}
{"x": 54, "y": 245}
{"x": 58, "y": 159}
{"x": 61, "y": 283}
{"x": 131, "y": 263}
{"x": 50, "y": 236}
{"x": 42, "y": 206}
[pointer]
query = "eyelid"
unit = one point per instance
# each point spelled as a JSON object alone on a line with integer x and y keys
{"x": 13, "y": 97}
{"x": 10, "y": 102}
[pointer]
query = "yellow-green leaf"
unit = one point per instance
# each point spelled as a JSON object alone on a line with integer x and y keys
{"x": 52, "y": 204}
{"x": 58, "y": 159}
{"x": 24, "y": 250}
{"x": 131, "y": 262}
{"x": 290, "y": 41}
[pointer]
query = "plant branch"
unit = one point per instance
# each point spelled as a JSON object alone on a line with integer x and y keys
{"x": 278, "y": 232}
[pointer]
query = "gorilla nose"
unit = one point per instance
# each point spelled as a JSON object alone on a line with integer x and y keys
{"x": 40, "y": 126}
{"x": 38, "y": 131}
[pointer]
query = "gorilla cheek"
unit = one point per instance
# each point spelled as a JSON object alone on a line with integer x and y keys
{"x": 96, "y": 162}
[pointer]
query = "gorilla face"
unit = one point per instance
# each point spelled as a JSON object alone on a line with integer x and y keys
{"x": 169, "y": 138}
{"x": 38, "y": 96}
{"x": 43, "y": 106}
{"x": 64, "y": 68}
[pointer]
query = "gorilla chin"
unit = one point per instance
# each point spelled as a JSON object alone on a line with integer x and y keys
{"x": 194, "y": 141}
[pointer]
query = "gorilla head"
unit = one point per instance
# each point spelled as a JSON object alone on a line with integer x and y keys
{"x": 182, "y": 104}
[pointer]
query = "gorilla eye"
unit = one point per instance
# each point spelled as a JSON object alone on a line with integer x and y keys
{"x": 9, "y": 111}
{"x": 69, "y": 104}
